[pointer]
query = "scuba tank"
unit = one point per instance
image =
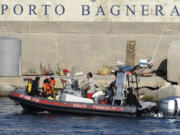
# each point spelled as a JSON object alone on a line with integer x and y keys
{"x": 28, "y": 85}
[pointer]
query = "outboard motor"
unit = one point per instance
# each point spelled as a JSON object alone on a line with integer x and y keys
{"x": 170, "y": 106}
{"x": 73, "y": 89}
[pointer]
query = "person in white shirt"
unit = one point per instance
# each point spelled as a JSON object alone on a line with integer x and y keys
{"x": 68, "y": 80}
{"x": 90, "y": 86}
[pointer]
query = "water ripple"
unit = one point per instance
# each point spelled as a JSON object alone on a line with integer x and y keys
{"x": 14, "y": 121}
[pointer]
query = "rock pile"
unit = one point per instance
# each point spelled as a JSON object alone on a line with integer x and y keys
{"x": 163, "y": 92}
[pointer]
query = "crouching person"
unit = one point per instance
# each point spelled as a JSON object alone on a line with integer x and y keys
{"x": 90, "y": 86}
{"x": 48, "y": 86}
{"x": 131, "y": 98}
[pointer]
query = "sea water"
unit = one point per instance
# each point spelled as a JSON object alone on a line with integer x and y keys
{"x": 13, "y": 121}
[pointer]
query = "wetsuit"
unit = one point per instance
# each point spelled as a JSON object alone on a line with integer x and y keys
{"x": 132, "y": 100}
{"x": 110, "y": 91}
{"x": 35, "y": 88}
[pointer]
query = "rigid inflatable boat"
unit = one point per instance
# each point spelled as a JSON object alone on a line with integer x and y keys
{"x": 71, "y": 100}
{"x": 39, "y": 104}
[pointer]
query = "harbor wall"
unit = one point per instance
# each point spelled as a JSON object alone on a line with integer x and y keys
{"x": 88, "y": 45}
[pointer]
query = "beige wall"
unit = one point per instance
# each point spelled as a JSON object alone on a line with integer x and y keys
{"x": 87, "y": 45}
{"x": 99, "y": 10}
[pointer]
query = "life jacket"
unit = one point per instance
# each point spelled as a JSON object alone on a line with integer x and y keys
{"x": 54, "y": 82}
{"x": 48, "y": 86}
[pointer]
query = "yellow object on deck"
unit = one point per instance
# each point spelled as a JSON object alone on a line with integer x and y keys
{"x": 50, "y": 98}
{"x": 54, "y": 93}
{"x": 29, "y": 86}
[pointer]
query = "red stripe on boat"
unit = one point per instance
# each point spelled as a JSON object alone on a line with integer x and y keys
{"x": 72, "y": 105}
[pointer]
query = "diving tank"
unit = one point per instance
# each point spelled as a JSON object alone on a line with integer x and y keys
{"x": 10, "y": 56}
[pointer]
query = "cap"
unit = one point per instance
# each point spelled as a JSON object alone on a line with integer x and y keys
{"x": 65, "y": 70}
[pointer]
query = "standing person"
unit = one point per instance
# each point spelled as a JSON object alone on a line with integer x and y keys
{"x": 68, "y": 80}
{"x": 90, "y": 85}
{"x": 35, "y": 86}
{"x": 48, "y": 85}
{"x": 111, "y": 89}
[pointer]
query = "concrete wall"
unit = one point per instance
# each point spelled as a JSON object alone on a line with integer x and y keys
{"x": 173, "y": 62}
{"x": 87, "y": 45}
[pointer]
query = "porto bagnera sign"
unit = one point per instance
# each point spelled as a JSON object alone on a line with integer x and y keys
{"x": 91, "y": 10}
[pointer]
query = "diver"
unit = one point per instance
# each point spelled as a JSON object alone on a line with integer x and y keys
{"x": 131, "y": 99}
{"x": 32, "y": 88}
{"x": 35, "y": 86}
{"x": 111, "y": 88}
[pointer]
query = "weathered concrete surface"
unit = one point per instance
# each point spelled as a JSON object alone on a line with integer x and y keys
{"x": 19, "y": 82}
{"x": 100, "y": 80}
{"x": 8, "y": 84}
{"x": 152, "y": 82}
{"x": 89, "y": 51}
{"x": 5, "y": 89}
{"x": 90, "y": 27}
{"x": 87, "y": 45}
{"x": 157, "y": 95}
{"x": 173, "y": 64}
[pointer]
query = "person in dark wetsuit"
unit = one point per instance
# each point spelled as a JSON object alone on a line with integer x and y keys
{"x": 111, "y": 88}
{"x": 131, "y": 98}
{"x": 35, "y": 86}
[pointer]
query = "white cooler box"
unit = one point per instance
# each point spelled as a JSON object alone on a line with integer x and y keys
{"x": 70, "y": 98}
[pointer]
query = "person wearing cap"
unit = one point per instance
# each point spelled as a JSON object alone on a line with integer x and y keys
{"x": 48, "y": 85}
{"x": 90, "y": 86}
{"x": 68, "y": 80}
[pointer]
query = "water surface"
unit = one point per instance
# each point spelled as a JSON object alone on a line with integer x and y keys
{"x": 14, "y": 121}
